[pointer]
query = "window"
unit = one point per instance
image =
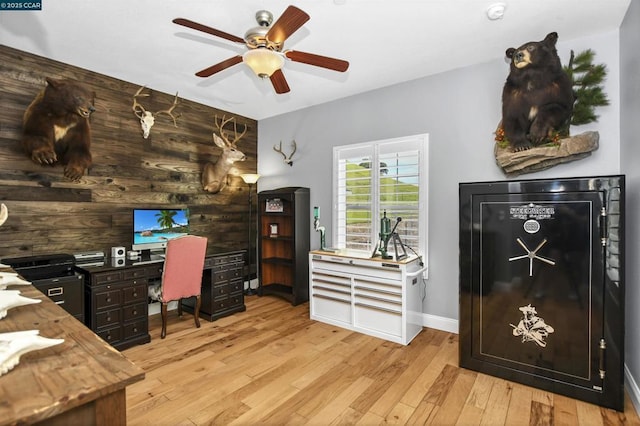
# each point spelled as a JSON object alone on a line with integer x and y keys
{"x": 372, "y": 178}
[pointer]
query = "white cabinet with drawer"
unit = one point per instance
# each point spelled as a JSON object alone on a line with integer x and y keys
{"x": 374, "y": 296}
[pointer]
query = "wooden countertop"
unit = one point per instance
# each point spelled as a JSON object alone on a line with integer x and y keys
{"x": 60, "y": 378}
{"x": 359, "y": 254}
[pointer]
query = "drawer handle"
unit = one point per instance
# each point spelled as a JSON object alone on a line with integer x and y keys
{"x": 108, "y": 299}
{"x": 108, "y": 318}
{"x": 135, "y": 329}
{"x": 378, "y": 308}
{"x": 135, "y": 294}
{"x": 56, "y": 291}
{"x": 135, "y": 312}
{"x": 60, "y": 302}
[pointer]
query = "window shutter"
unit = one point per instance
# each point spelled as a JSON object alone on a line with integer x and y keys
{"x": 376, "y": 177}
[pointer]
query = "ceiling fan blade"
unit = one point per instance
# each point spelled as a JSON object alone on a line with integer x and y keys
{"x": 317, "y": 60}
{"x": 288, "y": 23}
{"x": 219, "y": 66}
{"x": 279, "y": 82}
{"x": 194, "y": 25}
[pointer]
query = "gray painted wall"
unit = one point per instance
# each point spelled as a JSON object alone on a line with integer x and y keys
{"x": 460, "y": 110}
{"x": 630, "y": 153}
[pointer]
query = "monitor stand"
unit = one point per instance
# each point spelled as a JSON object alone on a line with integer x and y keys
{"x": 148, "y": 256}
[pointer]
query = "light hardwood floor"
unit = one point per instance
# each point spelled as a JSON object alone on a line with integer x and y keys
{"x": 272, "y": 365}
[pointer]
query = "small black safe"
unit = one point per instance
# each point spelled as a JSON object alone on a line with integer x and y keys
{"x": 542, "y": 284}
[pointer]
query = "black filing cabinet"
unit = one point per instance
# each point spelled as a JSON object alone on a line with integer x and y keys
{"x": 55, "y": 277}
{"x": 67, "y": 292}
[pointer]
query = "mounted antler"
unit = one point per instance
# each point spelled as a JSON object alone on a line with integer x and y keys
{"x": 214, "y": 176}
{"x": 147, "y": 118}
{"x": 288, "y": 159}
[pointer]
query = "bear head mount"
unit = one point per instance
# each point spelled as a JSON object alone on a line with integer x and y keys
{"x": 535, "y": 53}
{"x": 537, "y": 98}
{"x": 63, "y": 97}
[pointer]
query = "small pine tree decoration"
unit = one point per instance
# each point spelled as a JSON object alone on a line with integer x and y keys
{"x": 588, "y": 92}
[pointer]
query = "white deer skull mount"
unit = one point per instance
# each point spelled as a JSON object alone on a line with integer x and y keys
{"x": 287, "y": 159}
{"x": 214, "y": 176}
{"x": 147, "y": 118}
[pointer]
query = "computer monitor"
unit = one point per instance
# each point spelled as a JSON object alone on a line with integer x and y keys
{"x": 152, "y": 228}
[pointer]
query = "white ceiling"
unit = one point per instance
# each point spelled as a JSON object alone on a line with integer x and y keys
{"x": 386, "y": 42}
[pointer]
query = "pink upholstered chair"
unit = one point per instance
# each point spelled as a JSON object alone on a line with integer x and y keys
{"x": 182, "y": 275}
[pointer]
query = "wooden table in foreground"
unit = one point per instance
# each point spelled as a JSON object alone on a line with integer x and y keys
{"x": 79, "y": 382}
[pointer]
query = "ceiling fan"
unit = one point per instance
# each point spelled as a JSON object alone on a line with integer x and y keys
{"x": 265, "y": 55}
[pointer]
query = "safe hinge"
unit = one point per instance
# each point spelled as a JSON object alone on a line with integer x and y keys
{"x": 603, "y": 226}
{"x": 603, "y": 347}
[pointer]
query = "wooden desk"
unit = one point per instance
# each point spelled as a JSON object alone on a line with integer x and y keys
{"x": 79, "y": 382}
{"x": 116, "y": 304}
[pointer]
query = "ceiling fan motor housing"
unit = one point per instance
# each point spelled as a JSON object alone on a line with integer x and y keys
{"x": 257, "y": 37}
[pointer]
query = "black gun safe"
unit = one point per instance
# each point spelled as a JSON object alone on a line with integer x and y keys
{"x": 542, "y": 284}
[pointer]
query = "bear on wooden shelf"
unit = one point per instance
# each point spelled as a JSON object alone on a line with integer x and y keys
{"x": 56, "y": 127}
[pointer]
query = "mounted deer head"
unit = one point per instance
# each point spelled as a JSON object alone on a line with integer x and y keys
{"x": 214, "y": 176}
{"x": 147, "y": 118}
{"x": 289, "y": 159}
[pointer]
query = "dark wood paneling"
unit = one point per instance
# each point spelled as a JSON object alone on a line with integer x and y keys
{"x": 49, "y": 214}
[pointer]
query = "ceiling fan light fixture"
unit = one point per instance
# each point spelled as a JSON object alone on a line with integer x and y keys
{"x": 263, "y": 62}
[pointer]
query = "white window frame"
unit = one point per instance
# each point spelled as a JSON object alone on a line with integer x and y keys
{"x": 373, "y": 150}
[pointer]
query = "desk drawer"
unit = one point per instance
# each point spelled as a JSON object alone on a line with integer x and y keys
{"x": 107, "y": 298}
{"x": 221, "y": 290}
{"x": 222, "y": 303}
{"x": 236, "y": 299}
{"x": 236, "y": 286}
{"x": 131, "y": 312}
{"x": 235, "y": 272}
{"x": 108, "y": 318}
{"x": 111, "y": 335}
{"x": 135, "y": 328}
{"x": 107, "y": 277}
{"x": 219, "y": 276}
{"x": 134, "y": 293}
{"x": 135, "y": 273}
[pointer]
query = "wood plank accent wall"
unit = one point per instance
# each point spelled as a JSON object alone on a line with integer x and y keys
{"x": 49, "y": 214}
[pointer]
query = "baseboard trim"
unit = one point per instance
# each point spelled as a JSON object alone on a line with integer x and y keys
{"x": 440, "y": 323}
{"x": 632, "y": 388}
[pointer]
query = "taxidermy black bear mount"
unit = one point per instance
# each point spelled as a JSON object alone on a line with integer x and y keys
{"x": 537, "y": 98}
{"x": 56, "y": 127}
